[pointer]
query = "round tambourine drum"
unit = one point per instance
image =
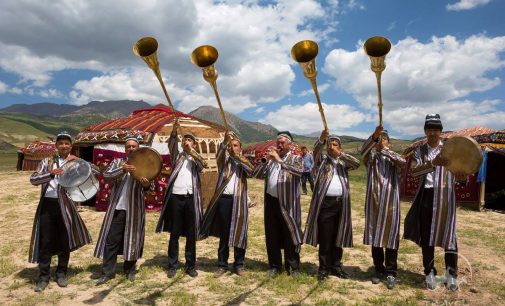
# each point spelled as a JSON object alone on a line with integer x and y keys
{"x": 78, "y": 180}
{"x": 464, "y": 154}
{"x": 147, "y": 162}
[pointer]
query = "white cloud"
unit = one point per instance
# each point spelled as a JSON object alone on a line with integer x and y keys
{"x": 259, "y": 110}
{"x": 305, "y": 119}
{"x": 420, "y": 74}
{"x": 320, "y": 88}
{"x": 3, "y": 88}
{"x": 466, "y": 5}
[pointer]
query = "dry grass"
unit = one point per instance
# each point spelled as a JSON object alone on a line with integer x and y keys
{"x": 481, "y": 268}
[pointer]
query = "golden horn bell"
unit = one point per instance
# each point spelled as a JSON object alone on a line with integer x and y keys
{"x": 376, "y": 48}
{"x": 305, "y": 52}
{"x": 146, "y": 48}
{"x": 204, "y": 57}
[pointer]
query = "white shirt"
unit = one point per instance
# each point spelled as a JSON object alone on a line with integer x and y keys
{"x": 335, "y": 188}
{"x": 184, "y": 181}
{"x": 52, "y": 189}
{"x": 432, "y": 153}
{"x": 273, "y": 177}
{"x": 230, "y": 187}
{"x": 122, "y": 203}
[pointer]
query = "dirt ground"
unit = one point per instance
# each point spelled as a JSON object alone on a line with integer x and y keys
{"x": 481, "y": 239}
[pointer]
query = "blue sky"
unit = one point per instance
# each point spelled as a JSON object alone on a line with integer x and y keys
{"x": 447, "y": 57}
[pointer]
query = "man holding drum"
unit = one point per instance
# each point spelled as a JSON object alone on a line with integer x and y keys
{"x": 57, "y": 229}
{"x": 123, "y": 227}
{"x": 227, "y": 214}
{"x": 431, "y": 220}
{"x": 182, "y": 209}
{"x": 329, "y": 220}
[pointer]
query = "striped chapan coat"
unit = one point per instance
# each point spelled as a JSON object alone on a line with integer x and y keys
{"x": 288, "y": 189}
{"x": 77, "y": 233}
{"x": 228, "y": 165}
{"x": 382, "y": 202}
{"x": 443, "y": 225}
{"x": 134, "y": 232}
{"x": 198, "y": 165}
{"x": 325, "y": 166}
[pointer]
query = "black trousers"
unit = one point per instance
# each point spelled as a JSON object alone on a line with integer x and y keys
{"x": 385, "y": 262}
{"x": 182, "y": 216}
{"x": 451, "y": 256}
{"x": 53, "y": 239}
{"x": 114, "y": 245}
{"x": 307, "y": 176}
{"x": 278, "y": 236}
{"x": 330, "y": 256}
{"x": 224, "y": 210}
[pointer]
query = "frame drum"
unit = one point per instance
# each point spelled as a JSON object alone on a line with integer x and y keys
{"x": 78, "y": 180}
{"x": 148, "y": 163}
{"x": 464, "y": 154}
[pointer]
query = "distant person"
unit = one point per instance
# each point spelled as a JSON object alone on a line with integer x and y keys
{"x": 281, "y": 172}
{"x": 57, "y": 228}
{"x": 123, "y": 227}
{"x": 227, "y": 215}
{"x": 181, "y": 214}
{"x": 329, "y": 222}
{"x": 307, "y": 165}
{"x": 382, "y": 205}
{"x": 431, "y": 220}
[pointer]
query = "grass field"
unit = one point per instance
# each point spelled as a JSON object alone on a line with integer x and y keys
{"x": 481, "y": 243}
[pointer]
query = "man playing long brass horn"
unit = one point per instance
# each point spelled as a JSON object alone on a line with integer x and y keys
{"x": 282, "y": 173}
{"x": 123, "y": 227}
{"x": 181, "y": 214}
{"x": 227, "y": 214}
{"x": 329, "y": 220}
{"x": 431, "y": 220}
{"x": 382, "y": 205}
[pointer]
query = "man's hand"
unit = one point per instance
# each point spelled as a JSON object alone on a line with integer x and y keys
{"x": 378, "y": 132}
{"x": 129, "y": 168}
{"x": 274, "y": 155}
{"x": 57, "y": 171}
{"x": 187, "y": 147}
{"x": 440, "y": 161}
{"x": 144, "y": 182}
{"x": 229, "y": 136}
{"x": 324, "y": 135}
{"x": 176, "y": 126}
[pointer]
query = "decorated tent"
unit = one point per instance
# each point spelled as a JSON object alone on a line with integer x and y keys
{"x": 30, "y": 155}
{"x": 259, "y": 150}
{"x": 103, "y": 142}
{"x": 473, "y": 193}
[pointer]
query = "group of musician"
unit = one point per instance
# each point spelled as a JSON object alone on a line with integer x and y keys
{"x": 431, "y": 221}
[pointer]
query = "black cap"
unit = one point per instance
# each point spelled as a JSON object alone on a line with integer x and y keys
{"x": 285, "y": 134}
{"x": 189, "y": 135}
{"x": 433, "y": 122}
{"x": 64, "y": 135}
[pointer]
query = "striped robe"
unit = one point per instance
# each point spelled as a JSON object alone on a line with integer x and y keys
{"x": 382, "y": 202}
{"x": 77, "y": 233}
{"x": 228, "y": 165}
{"x": 288, "y": 190}
{"x": 443, "y": 226}
{"x": 134, "y": 232}
{"x": 198, "y": 165}
{"x": 325, "y": 166}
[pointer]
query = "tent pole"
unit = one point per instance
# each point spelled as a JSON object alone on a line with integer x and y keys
{"x": 482, "y": 194}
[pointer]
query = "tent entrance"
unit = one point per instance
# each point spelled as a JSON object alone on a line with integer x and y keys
{"x": 495, "y": 184}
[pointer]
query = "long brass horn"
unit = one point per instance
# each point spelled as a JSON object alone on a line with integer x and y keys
{"x": 376, "y": 48}
{"x": 146, "y": 48}
{"x": 204, "y": 57}
{"x": 305, "y": 52}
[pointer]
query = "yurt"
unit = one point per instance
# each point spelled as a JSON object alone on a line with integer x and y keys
{"x": 259, "y": 150}
{"x": 30, "y": 156}
{"x": 103, "y": 142}
{"x": 467, "y": 195}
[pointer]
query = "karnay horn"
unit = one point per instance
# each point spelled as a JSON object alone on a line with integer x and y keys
{"x": 376, "y": 48}
{"x": 204, "y": 57}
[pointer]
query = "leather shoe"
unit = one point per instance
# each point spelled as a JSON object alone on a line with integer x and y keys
{"x": 430, "y": 280}
{"x": 62, "y": 280}
{"x": 339, "y": 272}
{"x": 377, "y": 278}
{"x": 219, "y": 272}
{"x": 390, "y": 281}
{"x": 272, "y": 272}
{"x": 321, "y": 276}
{"x": 103, "y": 279}
{"x": 171, "y": 273}
{"x": 239, "y": 271}
{"x": 130, "y": 276}
{"x": 451, "y": 282}
{"x": 192, "y": 272}
{"x": 295, "y": 273}
{"x": 41, "y": 285}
